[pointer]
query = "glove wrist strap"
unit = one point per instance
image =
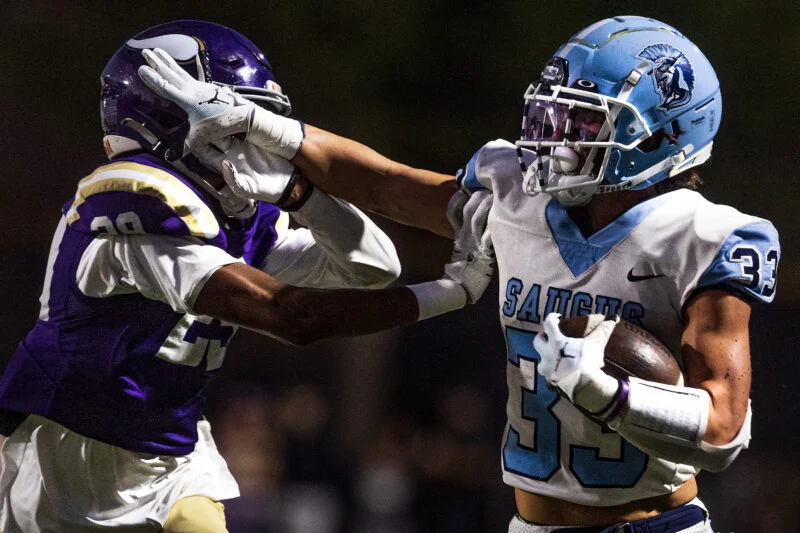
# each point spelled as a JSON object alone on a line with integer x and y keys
{"x": 285, "y": 203}
{"x": 614, "y": 407}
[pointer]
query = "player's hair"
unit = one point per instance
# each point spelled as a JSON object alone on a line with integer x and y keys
{"x": 689, "y": 179}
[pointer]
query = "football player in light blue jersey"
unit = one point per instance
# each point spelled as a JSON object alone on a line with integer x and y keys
{"x": 595, "y": 212}
{"x": 154, "y": 264}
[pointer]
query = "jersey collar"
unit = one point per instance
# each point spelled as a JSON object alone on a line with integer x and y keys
{"x": 581, "y": 253}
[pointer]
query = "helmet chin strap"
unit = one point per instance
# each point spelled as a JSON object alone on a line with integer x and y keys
{"x": 576, "y": 195}
{"x": 677, "y": 162}
{"x": 542, "y": 177}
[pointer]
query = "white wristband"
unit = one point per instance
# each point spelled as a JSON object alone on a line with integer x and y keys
{"x": 438, "y": 297}
{"x": 670, "y": 411}
{"x": 279, "y": 135}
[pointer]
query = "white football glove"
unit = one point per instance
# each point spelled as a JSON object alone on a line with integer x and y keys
{"x": 473, "y": 262}
{"x": 216, "y": 111}
{"x": 455, "y": 210}
{"x": 251, "y": 172}
{"x": 200, "y": 100}
{"x": 575, "y": 366}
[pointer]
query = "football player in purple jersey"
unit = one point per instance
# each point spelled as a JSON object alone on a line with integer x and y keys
{"x": 154, "y": 264}
{"x": 595, "y": 212}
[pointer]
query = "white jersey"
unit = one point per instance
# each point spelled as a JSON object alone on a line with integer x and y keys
{"x": 644, "y": 267}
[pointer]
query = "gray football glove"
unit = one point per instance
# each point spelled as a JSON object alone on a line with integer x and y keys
{"x": 473, "y": 261}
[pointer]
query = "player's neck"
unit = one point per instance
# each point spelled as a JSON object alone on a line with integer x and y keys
{"x": 604, "y": 209}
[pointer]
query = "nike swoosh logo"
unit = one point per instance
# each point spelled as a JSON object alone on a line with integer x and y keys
{"x": 634, "y": 278}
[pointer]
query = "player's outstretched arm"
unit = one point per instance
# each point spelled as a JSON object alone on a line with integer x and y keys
{"x": 253, "y": 299}
{"x": 355, "y": 172}
{"x": 716, "y": 355}
{"x": 246, "y": 296}
{"x": 339, "y": 166}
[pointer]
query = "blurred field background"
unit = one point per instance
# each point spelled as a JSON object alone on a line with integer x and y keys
{"x": 400, "y": 432}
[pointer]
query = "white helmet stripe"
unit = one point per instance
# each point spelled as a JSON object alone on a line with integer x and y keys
{"x": 181, "y": 47}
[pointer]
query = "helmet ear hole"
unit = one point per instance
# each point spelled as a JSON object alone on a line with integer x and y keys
{"x": 653, "y": 142}
{"x": 166, "y": 121}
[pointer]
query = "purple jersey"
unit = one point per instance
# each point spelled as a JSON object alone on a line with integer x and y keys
{"x": 126, "y": 369}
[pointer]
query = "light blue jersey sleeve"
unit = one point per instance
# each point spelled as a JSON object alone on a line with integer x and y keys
{"x": 467, "y": 178}
{"x": 747, "y": 262}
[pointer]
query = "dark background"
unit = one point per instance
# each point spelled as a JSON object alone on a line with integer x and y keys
{"x": 400, "y": 432}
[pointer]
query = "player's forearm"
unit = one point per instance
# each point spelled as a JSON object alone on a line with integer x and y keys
{"x": 250, "y": 298}
{"x": 356, "y": 173}
{"x": 706, "y": 421}
{"x": 322, "y": 314}
{"x": 716, "y": 353}
{"x": 728, "y": 389}
{"x": 672, "y": 421}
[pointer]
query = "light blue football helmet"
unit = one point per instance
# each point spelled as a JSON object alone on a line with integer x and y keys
{"x": 625, "y": 103}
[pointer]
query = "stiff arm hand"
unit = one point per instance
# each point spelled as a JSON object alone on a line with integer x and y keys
{"x": 216, "y": 112}
{"x": 472, "y": 264}
{"x": 249, "y": 172}
{"x": 200, "y": 100}
{"x": 473, "y": 261}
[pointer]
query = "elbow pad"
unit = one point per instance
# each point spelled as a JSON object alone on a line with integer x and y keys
{"x": 670, "y": 422}
{"x": 718, "y": 458}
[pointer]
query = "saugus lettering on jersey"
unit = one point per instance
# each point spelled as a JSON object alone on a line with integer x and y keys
{"x": 526, "y": 304}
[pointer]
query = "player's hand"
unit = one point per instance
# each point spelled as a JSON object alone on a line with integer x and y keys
{"x": 271, "y": 132}
{"x": 252, "y": 173}
{"x": 575, "y": 365}
{"x": 473, "y": 261}
{"x": 200, "y": 100}
{"x": 216, "y": 112}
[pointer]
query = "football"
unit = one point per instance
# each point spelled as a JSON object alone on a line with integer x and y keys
{"x": 631, "y": 351}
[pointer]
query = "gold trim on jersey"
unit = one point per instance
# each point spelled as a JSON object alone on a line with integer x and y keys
{"x": 281, "y": 225}
{"x": 127, "y": 176}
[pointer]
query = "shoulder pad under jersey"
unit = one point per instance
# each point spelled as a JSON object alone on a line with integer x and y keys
{"x": 495, "y": 163}
{"x": 136, "y": 196}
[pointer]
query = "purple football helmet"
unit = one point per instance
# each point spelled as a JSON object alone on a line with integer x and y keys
{"x": 134, "y": 117}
